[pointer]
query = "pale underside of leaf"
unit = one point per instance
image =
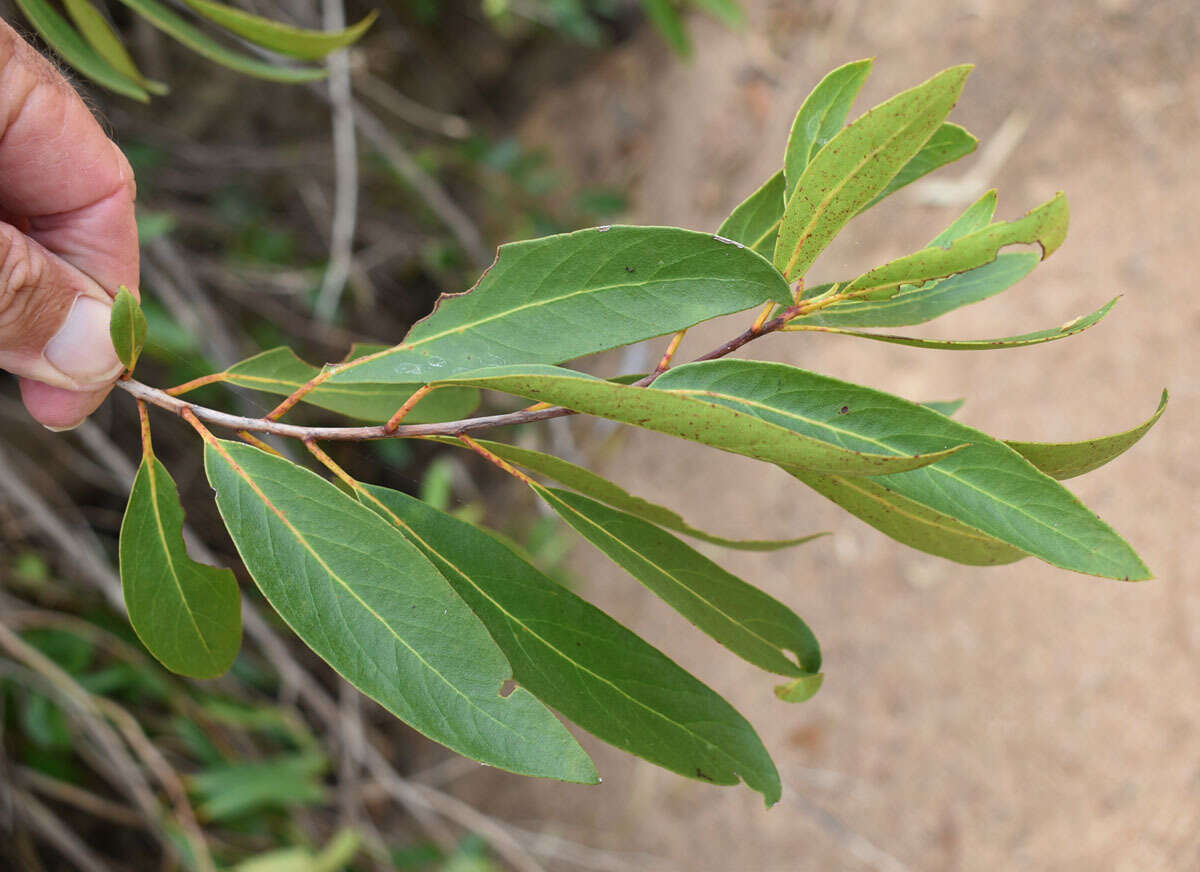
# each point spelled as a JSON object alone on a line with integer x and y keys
{"x": 1038, "y": 337}
{"x": 857, "y": 164}
{"x": 579, "y": 660}
{"x": 987, "y": 485}
{"x": 1063, "y": 460}
{"x": 297, "y": 42}
{"x": 369, "y": 603}
{"x": 598, "y": 488}
{"x": 747, "y": 621}
{"x": 551, "y": 300}
{"x": 280, "y": 371}
{"x": 821, "y": 116}
{"x": 754, "y": 429}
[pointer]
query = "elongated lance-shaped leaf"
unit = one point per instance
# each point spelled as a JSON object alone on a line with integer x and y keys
{"x": 1064, "y": 460}
{"x": 755, "y": 222}
{"x": 371, "y": 605}
{"x": 179, "y": 28}
{"x": 297, "y": 42}
{"x": 987, "y": 485}
{"x": 916, "y": 304}
{"x": 280, "y": 371}
{"x": 821, "y": 117}
{"x": 599, "y": 488}
{"x": 1078, "y": 325}
{"x": 697, "y": 417}
{"x": 1046, "y": 226}
{"x": 857, "y": 164}
{"x": 554, "y": 299}
{"x": 949, "y": 143}
{"x": 577, "y": 659}
{"x": 74, "y": 49}
{"x": 127, "y": 327}
{"x": 188, "y": 615}
{"x": 747, "y": 621}
{"x": 102, "y": 37}
{"x": 910, "y": 522}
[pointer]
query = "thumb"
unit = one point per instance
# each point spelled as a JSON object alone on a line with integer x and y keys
{"x": 53, "y": 329}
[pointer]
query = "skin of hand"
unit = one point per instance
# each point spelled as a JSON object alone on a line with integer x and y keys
{"x": 68, "y": 239}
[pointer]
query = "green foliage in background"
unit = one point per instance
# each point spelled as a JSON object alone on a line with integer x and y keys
{"x": 457, "y": 633}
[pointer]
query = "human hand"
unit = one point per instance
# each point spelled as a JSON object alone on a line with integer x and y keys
{"x": 68, "y": 239}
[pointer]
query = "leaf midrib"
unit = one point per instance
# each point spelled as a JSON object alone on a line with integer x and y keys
{"x": 529, "y": 630}
{"x": 152, "y": 474}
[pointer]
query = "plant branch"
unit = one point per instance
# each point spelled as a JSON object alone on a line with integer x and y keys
{"x": 269, "y": 424}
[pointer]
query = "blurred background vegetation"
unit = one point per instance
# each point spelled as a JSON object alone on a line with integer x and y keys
{"x": 107, "y": 761}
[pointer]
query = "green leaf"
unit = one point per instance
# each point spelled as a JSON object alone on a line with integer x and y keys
{"x": 229, "y": 791}
{"x": 373, "y": 607}
{"x": 700, "y": 416}
{"x": 1063, "y": 460}
{"x": 944, "y": 407}
{"x": 554, "y": 299}
{"x": 177, "y": 27}
{"x": 930, "y": 300}
{"x": 188, "y": 615}
{"x": 1078, "y": 325}
{"x": 987, "y": 485}
{"x": 297, "y": 42}
{"x": 72, "y": 48}
{"x": 577, "y": 659}
{"x": 916, "y": 304}
{"x": 750, "y": 623}
{"x": 948, "y": 144}
{"x": 857, "y": 164}
{"x": 669, "y": 23}
{"x": 910, "y": 522}
{"x": 101, "y": 36}
{"x": 280, "y": 371}
{"x": 800, "y": 689}
{"x": 755, "y": 223}
{"x": 599, "y": 488}
{"x": 1046, "y": 226}
{"x": 127, "y": 327}
{"x": 821, "y": 118}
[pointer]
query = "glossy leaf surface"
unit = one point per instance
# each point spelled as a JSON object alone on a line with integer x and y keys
{"x": 1064, "y": 460}
{"x": 371, "y": 605}
{"x": 1038, "y": 337}
{"x": 297, "y": 42}
{"x": 750, "y": 623}
{"x": 986, "y": 485}
{"x": 599, "y": 488}
{"x": 696, "y": 415}
{"x": 127, "y": 327}
{"x": 858, "y": 164}
{"x": 821, "y": 117}
{"x": 70, "y": 45}
{"x": 188, "y": 615}
{"x": 1046, "y": 226}
{"x": 179, "y": 28}
{"x": 280, "y": 371}
{"x": 755, "y": 222}
{"x": 577, "y": 659}
{"x": 554, "y": 299}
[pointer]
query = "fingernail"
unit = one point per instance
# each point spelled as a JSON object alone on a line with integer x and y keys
{"x": 82, "y": 348}
{"x": 61, "y": 429}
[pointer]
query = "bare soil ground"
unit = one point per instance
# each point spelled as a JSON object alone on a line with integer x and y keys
{"x": 1011, "y": 718}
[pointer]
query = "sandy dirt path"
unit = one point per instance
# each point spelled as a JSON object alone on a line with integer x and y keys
{"x": 1012, "y": 718}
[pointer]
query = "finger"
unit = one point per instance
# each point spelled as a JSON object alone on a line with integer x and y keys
{"x": 61, "y": 172}
{"x": 53, "y": 318}
{"x": 59, "y": 409}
